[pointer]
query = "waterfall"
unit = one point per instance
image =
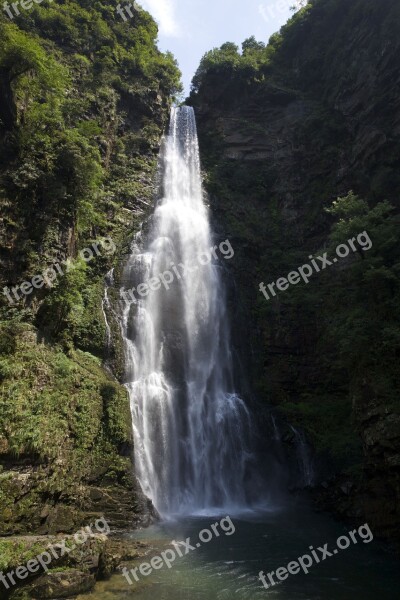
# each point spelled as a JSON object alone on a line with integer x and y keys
{"x": 191, "y": 429}
{"x": 304, "y": 459}
{"x": 107, "y": 307}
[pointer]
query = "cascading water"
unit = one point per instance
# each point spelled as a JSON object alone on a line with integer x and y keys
{"x": 191, "y": 430}
{"x": 107, "y": 307}
{"x": 306, "y": 467}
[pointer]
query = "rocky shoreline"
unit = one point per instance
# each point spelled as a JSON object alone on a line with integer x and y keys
{"x": 76, "y": 573}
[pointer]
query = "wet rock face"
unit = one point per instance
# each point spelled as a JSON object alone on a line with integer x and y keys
{"x": 325, "y": 120}
{"x": 121, "y": 502}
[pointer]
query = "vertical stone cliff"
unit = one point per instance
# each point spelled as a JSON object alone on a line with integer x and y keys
{"x": 284, "y": 131}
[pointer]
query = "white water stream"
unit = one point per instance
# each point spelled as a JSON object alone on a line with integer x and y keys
{"x": 191, "y": 430}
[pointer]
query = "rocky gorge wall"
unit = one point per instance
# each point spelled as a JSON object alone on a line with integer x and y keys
{"x": 84, "y": 100}
{"x": 284, "y": 131}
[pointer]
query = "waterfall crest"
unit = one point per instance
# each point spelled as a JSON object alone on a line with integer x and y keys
{"x": 191, "y": 430}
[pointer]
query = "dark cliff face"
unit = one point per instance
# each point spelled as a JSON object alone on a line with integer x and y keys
{"x": 314, "y": 116}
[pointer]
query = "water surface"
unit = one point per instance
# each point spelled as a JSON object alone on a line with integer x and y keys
{"x": 227, "y": 567}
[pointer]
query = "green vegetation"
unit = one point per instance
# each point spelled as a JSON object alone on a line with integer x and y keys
{"x": 347, "y": 317}
{"x": 227, "y": 63}
{"x": 358, "y": 328}
{"x": 15, "y": 553}
{"x": 64, "y": 412}
{"x": 50, "y": 399}
{"x": 326, "y": 22}
{"x": 254, "y": 64}
{"x": 84, "y": 100}
{"x": 366, "y": 329}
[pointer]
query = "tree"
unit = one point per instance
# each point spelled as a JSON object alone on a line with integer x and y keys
{"x": 251, "y": 44}
{"x": 219, "y": 60}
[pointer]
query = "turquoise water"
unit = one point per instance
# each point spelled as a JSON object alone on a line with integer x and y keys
{"x": 227, "y": 567}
